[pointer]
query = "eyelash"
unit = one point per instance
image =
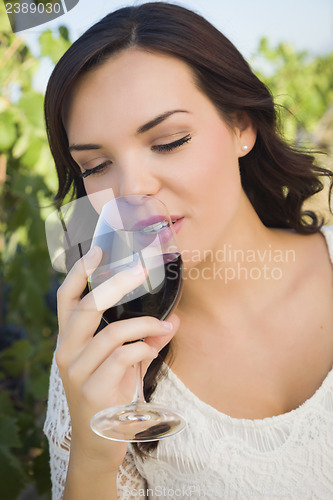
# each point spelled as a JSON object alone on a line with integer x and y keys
{"x": 95, "y": 170}
{"x": 161, "y": 148}
{"x": 172, "y": 145}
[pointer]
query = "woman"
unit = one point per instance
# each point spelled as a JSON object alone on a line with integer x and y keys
{"x": 154, "y": 100}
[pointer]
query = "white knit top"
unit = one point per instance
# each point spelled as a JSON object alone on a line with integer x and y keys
{"x": 285, "y": 457}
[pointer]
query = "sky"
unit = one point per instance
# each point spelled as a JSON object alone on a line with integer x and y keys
{"x": 306, "y": 24}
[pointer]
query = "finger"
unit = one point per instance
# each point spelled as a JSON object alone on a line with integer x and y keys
{"x": 86, "y": 318}
{"x": 89, "y": 310}
{"x": 159, "y": 341}
{"x": 106, "y": 385}
{"x": 100, "y": 347}
{"x": 69, "y": 293}
{"x": 113, "y": 289}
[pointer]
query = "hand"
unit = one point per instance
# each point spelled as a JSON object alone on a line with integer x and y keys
{"x": 97, "y": 372}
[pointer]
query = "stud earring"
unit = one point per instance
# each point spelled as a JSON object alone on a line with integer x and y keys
{"x": 245, "y": 147}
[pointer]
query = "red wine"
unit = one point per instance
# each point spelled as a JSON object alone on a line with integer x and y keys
{"x": 159, "y": 302}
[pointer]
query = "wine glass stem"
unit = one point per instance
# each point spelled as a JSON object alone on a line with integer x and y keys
{"x": 139, "y": 396}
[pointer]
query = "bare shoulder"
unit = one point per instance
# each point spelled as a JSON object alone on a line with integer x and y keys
{"x": 311, "y": 274}
{"x": 313, "y": 254}
{"x": 304, "y": 351}
{"x": 311, "y": 294}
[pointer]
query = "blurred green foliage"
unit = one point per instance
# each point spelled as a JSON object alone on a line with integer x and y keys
{"x": 303, "y": 86}
{"x": 27, "y": 300}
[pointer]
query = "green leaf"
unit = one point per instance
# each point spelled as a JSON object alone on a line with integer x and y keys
{"x": 64, "y": 33}
{"x": 31, "y": 104}
{"x": 6, "y": 404}
{"x": 12, "y": 475}
{"x": 32, "y": 153}
{"x": 4, "y": 104}
{"x": 4, "y": 21}
{"x": 41, "y": 470}
{"x": 53, "y": 47}
{"x": 7, "y": 130}
{"x": 8, "y": 432}
{"x": 14, "y": 358}
{"x": 21, "y": 145}
{"x": 38, "y": 386}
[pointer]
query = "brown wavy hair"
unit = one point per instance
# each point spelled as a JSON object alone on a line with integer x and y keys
{"x": 276, "y": 177}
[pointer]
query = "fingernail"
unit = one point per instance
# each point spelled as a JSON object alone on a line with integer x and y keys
{"x": 167, "y": 325}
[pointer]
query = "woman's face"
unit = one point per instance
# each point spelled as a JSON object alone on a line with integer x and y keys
{"x": 139, "y": 125}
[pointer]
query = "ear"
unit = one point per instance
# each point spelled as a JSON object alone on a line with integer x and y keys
{"x": 246, "y": 133}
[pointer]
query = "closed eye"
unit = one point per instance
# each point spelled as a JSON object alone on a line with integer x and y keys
{"x": 98, "y": 169}
{"x": 172, "y": 145}
{"x": 159, "y": 147}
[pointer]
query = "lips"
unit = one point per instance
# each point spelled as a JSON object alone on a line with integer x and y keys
{"x": 156, "y": 227}
{"x": 177, "y": 222}
{"x": 156, "y": 223}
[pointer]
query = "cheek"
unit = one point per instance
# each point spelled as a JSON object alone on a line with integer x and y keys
{"x": 222, "y": 155}
{"x": 98, "y": 197}
{"x": 213, "y": 190}
{"x": 214, "y": 171}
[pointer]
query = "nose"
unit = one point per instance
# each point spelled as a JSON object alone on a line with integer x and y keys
{"x": 138, "y": 179}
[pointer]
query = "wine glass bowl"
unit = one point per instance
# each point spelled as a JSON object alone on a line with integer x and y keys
{"x": 135, "y": 231}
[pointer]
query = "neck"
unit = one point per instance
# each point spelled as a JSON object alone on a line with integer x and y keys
{"x": 248, "y": 259}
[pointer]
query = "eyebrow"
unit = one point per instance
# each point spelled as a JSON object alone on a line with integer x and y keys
{"x": 84, "y": 147}
{"x": 144, "y": 128}
{"x": 156, "y": 121}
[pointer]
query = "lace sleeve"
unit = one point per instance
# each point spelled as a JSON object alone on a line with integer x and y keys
{"x": 57, "y": 428}
{"x": 129, "y": 481}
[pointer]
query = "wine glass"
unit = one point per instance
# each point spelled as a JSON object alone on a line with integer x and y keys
{"x": 136, "y": 230}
